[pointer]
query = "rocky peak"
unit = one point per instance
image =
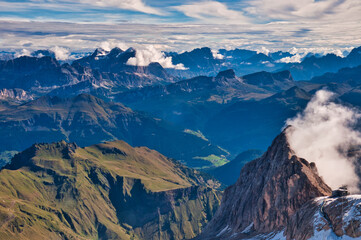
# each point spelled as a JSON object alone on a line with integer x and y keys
{"x": 294, "y": 92}
{"x": 157, "y": 70}
{"x": 267, "y": 78}
{"x": 226, "y": 74}
{"x": 115, "y": 52}
{"x": 34, "y": 157}
{"x": 15, "y": 94}
{"x": 268, "y": 192}
{"x": 354, "y": 57}
{"x": 42, "y": 53}
{"x": 99, "y": 52}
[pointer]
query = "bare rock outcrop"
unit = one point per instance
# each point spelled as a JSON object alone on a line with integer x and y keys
{"x": 326, "y": 217}
{"x": 267, "y": 194}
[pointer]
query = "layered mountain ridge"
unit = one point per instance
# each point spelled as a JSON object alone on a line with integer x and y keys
{"x": 86, "y": 120}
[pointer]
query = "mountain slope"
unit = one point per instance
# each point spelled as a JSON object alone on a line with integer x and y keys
{"x": 253, "y": 124}
{"x": 316, "y": 66}
{"x": 97, "y": 73}
{"x": 105, "y": 191}
{"x": 273, "y": 82}
{"x": 115, "y": 61}
{"x": 268, "y": 192}
{"x": 229, "y": 172}
{"x": 86, "y": 120}
{"x": 190, "y": 103}
{"x": 205, "y": 61}
{"x": 349, "y": 76}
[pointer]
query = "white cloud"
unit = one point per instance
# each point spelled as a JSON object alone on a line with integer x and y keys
{"x": 297, "y": 58}
{"x": 23, "y": 52}
{"x": 212, "y": 11}
{"x": 134, "y": 5}
{"x": 110, "y": 44}
{"x": 16, "y": 35}
{"x": 216, "y": 54}
{"x": 323, "y": 134}
{"x": 263, "y": 50}
{"x": 61, "y": 53}
{"x": 296, "y": 9}
{"x": 300, "y": 54}
{"x": 146, "y": 55}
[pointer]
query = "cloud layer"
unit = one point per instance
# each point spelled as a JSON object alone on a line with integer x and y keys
{"x": 149, "y": 54}
{"x": 210, "y": 11}
{"x": 35, "y": 35}
{"x": 182, "y": 25}
{"x": 324, "y": 133}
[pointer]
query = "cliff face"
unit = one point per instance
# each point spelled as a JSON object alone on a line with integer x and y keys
{"x": 105, "y": 191}
{"x": 268, "y": 192}
{"x": 327, "y": 217}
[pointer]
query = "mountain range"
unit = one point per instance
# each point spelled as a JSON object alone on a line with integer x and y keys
{"x": 77, "y": 140}
{"x": 86, "y": 120}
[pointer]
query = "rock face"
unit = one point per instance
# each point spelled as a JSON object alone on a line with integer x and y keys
{"x": 15, "y": 94}
{"x": 268, "y": 192}
{"x": 105, "y": 191}
{"x": 327, "y": 217}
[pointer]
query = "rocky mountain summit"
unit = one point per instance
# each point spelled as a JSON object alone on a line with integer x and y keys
{"x": 268, "y": 193}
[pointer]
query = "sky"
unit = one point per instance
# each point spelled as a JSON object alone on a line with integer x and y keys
{"x": 172, "y": 25}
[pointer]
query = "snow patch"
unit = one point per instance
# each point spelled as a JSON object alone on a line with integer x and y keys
{"x": 248, "y": 229}
{"x": 227, "y": 228}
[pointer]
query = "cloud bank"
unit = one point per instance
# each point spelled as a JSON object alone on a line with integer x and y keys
{"x": 211, "y": 11}
{"x": 61, "y": 53}
{"x": 148, "y": 54}
{"x": 324, "y": 133}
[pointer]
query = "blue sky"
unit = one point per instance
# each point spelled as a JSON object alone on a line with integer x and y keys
{"x": 325, "y": 25}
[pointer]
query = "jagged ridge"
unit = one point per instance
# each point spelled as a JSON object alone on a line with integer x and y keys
{"x": 268, "y": 192}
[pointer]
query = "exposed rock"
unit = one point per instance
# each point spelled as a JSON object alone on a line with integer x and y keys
{"x": 268, "y": 192}
{"x": 327, "y": 216}
{"x": 15, "y": 94}
{"x": 226, "y": 74}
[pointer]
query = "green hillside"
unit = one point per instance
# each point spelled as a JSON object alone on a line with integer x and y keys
{"x": 105, "y": 191}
